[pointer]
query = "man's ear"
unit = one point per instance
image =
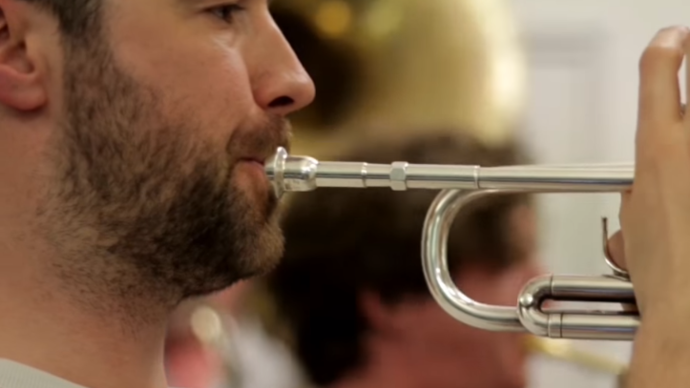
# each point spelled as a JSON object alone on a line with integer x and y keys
{"x": 21, "y": 88}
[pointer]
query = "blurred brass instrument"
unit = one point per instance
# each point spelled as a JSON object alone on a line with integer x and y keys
{"x": 396, "y": 67}
{"x": 565, "y": 351}
{"x": 392, "y": 68}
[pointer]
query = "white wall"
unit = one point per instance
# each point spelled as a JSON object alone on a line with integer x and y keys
{"x": 583, "y": 100}
{"x": 625, "y": 27}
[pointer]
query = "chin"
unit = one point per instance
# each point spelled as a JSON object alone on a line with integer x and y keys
{"x": 246, "y": 242}
{"x": 264, "y": 254}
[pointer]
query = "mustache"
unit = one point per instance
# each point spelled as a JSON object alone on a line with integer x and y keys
{"x": 260, "y": 141}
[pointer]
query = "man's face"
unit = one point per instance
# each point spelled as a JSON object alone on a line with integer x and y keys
{"x": 163, "y": 123}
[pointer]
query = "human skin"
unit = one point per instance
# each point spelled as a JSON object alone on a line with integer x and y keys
{"x": 131, "y": 177}
{"x": 653, "y": 243}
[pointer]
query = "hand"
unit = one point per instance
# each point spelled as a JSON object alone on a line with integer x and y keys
{"x": 654, "y": 241}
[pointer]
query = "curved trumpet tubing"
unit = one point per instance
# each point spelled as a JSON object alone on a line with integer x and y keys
{"x": 528, "y": 316}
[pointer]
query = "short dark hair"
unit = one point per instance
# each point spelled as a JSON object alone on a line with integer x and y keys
{"x": 341, "y": 242}
{"x": 78, "y": 18}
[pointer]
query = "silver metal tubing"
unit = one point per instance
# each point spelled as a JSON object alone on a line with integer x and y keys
{"x": 439, "y": 279}
{"x": 301, "y": 173}
{"x": 460, "y": 185}
{"x": 588, "y": 324}
{"x": 529, "y": 315}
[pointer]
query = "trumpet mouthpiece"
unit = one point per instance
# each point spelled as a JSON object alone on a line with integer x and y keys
{"x": 291, "y": 173}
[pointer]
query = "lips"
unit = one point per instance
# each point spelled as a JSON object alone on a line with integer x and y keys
{"x": 254, "y": 160}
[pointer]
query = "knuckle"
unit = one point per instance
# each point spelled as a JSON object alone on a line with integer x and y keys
{"x": 655, "y": 54}
{"x": 674, "y": 29}
{"x": 671, "y": 34}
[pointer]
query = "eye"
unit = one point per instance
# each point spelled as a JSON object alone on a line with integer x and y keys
{"x": 226, "y": 12}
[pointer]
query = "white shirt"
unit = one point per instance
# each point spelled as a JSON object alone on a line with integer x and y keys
{"x": 15, "y": 375}
{"x": 262, "y": 362}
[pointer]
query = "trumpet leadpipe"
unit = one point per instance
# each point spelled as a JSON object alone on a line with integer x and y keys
{"x": 301, "y": 173}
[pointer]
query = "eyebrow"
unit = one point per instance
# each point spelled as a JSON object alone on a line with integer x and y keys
{"x": 268, "y": 2}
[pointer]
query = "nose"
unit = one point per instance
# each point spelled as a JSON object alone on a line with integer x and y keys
{"x": 281, "y": 85}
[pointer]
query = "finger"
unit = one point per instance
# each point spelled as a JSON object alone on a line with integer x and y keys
{"x": 659, "y": 94}
{"x": 616, "y": 249}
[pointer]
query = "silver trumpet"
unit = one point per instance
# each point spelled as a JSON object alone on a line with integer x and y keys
{"x": 461, "y": 184}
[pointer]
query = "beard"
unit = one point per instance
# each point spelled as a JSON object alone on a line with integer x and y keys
{"x": 141, "y": 207}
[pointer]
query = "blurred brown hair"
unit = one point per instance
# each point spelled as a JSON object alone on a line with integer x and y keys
{"x": 341, "y": 242}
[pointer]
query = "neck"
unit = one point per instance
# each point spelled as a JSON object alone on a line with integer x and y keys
{"x": 385, "y": 368}
{"x": 44, "y": 327}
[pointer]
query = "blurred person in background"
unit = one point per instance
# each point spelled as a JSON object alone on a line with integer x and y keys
{"x": 351, "y": 296}
{"x": 212, "y": 343}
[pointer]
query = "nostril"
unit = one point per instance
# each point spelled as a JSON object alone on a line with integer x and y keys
{"x": 282, "y": 102}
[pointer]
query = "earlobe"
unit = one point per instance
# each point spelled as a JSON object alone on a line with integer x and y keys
{"x": 20, "y": 85}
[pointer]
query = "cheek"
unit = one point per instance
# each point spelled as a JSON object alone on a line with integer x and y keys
{"x": 211, "y": 85}
{"x": 219, "y": 92}
{"x": 197, "y": 77}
